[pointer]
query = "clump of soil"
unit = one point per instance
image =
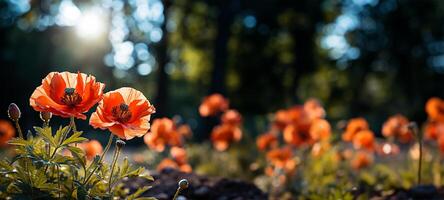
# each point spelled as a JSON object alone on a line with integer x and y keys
{"x": 200, "y": 187}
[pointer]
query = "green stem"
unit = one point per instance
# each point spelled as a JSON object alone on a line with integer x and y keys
{"x": 177, "y": 193}
{"x": 420, "y": 162}
{"x": 73, "y": 124}
{"x": 115, "y": 157}
{"x": 110, "y": 141}
{"x": 19, "y": 130}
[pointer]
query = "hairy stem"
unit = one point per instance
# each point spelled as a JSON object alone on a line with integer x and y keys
{"x": 177, "y": 193}
{"x": 115, "y": 157}
{"x": 110, "y": 141}
{"x": 19, "y": 130}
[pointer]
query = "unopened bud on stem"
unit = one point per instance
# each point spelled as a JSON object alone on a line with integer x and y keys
{"x": 14, "y": 112}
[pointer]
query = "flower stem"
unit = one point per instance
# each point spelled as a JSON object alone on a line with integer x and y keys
{"x": 115, "y": 157}
{"x": 110, "y": 141}
{"x": 73, "y": 124}
{"x": 177, "y": 193}
{"x": 414, "y": 129}
{"x": 19, "y": 130}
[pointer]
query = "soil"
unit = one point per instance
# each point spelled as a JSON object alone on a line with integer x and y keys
{"x": 200, "y": 187}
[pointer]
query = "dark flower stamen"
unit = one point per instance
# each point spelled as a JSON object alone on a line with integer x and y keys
{"x": 71, "y": 98}
{"x": 121, "y": 113}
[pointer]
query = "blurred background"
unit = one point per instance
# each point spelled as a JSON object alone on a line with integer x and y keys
{"x": 370, "y": 58}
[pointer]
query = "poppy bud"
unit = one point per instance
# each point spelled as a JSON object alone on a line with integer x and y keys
{"x": 120, "y": 143}
{"x": 14, "y": 112}
{"x": 45, "y": 116}
{"x": 183, "y": 184}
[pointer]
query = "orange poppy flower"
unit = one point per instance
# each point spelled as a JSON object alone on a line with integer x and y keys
{"x": 213, "y": 104}
{"x": 435, "y": 109}
{"x": 67, "y": 94}
{"x": 314, "y": 109}
{"x": 170, "y": 163}
{"x": 361, "y": 160}
{"x": 293, "y": 136}
{"x": 163, "y": 132}
{"x": 364, "y": 140}
{"x": 185, "y": 131}
{"x": 267, "y": 141}
{"x": 281, "y": 119}
{"x": 91, "y": 148}
{"x": 354, "y": 126}
{"x": 434, "y": 130}
{"x": 223, "y": 135}
{"x": 125, "y": 112}
{"x": 232, "y": 117}
{"x": 282, "y": 158}
{"x": 179, "y": 155}
{"x": 7, "y": 131}
{"x": 320, "y": 129}
{"x": 397, "y": 126}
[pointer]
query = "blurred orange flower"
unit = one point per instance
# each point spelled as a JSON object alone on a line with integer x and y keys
{"x": 434, "y": 130}
{"x": 7, "y": 131}
{"x": 320, "y": 129}
{"x": 232, "y": 117}
{"x": 126, "y": 112}
{"x": 67, "y": 94}
{"x": 397, "y": 127}
{"x": 179, "y": 155}
{"x": 364, "y": 139}
{"x": 163, "y": 132}
{"x": 170, "y": 163}
{"x": 293, "y": 136}
{"x": 185, "y": 130}
{"x": 225, "y": 134}
{"x": 354, "y": 126}
{"x": 314, "y": 109}
{"x": 320, "y": 148}
{"x": 213, "y": 104}
{"x": 435, "y": 109}
{"x": 267, "y": 141}
{"x": 282, "y": 158}
{"x": 91, "y": 148}
{"x": 361, "y": 160}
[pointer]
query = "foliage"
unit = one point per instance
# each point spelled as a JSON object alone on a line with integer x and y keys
{"x": 43, "y": 168}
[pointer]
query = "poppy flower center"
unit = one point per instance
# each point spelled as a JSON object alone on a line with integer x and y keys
{"x": 71, "y": 98}
{"x": 121, "y": 113}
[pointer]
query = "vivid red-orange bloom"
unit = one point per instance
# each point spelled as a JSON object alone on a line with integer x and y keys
{"x": 434, "y": 130}
{"x": 163, "y": 132}
{"x": 282, "y": 158}
{"x": 91, "y": 148}
{"x": 354, "y": 126}
{"x": 7, "y": 131}
{"x": 232, "y": 117}
{"x": 223, "y": 135}
{"x": 126, "y": 112}
{"x": 361, "y": 160}
{"x": 67, "y": 94}
{"x": 435, "y": 109}
{"x": 364, "y": 140}
{"x": 213, "y": 104}
{"x": 293, "y": 136}
{"x": 170, "y": 163}
{"x": 267, "y": 141}
{"x": 320, "y": 129}
{"x": 314, "y": 109}
{"x": 397, "y": 126}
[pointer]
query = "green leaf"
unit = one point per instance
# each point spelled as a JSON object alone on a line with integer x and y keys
{"x": 18, "y": 142}
{"x": 74, "y": 138}
{"x": 46, "y": 134}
